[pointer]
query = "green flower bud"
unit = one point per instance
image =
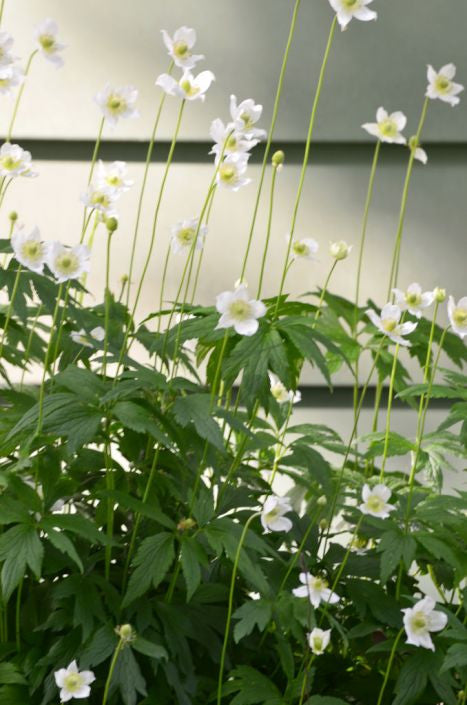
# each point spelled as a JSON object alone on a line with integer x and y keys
{"x": 440, "y": 294}
{"x": 323, "y": 524}
{"x": 126, "y": 633}
{"x": 111, "y": 224}
{"x": 322, "y": 501}
{"x": 13, "y": 216}
{"x": 185, "y": 524}
{"x": 278, "y": 159}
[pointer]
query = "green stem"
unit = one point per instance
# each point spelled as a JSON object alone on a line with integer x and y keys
{"x": 389, "y": 666}
{"x": 202, "y": 251}
{"x": 2, "y": 197}
{"x": 324, "y": 289}
{"x": 279, "y": 454}
{"x": 271, "y": 133}
{"x": 9, "y": 312}
{"x": 217, "y": 373}
{"x": 164, "y": 277}
{"x": 96, "y": 150}
{"x": 18, "y": 615}
{"x": 110, "y": 485}
{"x": 46, "y": 361}
{"x": 2, "y": 5}
{"x": 113, "y": 663}
{"x": 403, "y": 207}
{"x": 388, "y": 414}
{"x": 268, "y": 232}
{"x": 230, "y": 605}
{"x": 307, "y": 151}
{"x": 107, "y": 304}
{"x": 90, "y": 244}
{"x": 19, "y": 96}
{"x": 27, "y": 352}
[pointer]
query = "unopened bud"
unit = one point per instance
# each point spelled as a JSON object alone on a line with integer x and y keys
{"x": 323, "y": 524}
{"x": 186, "y": 524}
{"x": 440, "y": 294}
{"x": 111, "y": 224}
{"x": 124, "y": 278}
{"x": 277, "y": 159}
{"x": 339, "y": 250}
{"x": 13, "y": 216}
{"x": 126, "y": 633}
{"x": 322, "y": 501}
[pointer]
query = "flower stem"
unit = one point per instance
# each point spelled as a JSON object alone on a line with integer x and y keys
{"x": 268, "y": 232}
{"x": 107, "y": 304}
{"x": 271, "y": 133}
{"x": 2, "y": 5}
{"x": 388, "y": 414}
{"x": 113, "y": 663}
{"x": 9, "y": 312}
{"x": 389, "y": 666}
{"x": 307, "y": 151}
{"x": 201, "y": 254}
{"x": 230, "y": 605}
{"x": 19, "y": 96}
{"x": 46, "y": 361}
{"x": 324, "y": 289}
{"x": 27, "y": 352}
{"x": 18, "y": 615}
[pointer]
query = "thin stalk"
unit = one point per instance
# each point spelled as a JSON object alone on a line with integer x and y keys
{"x": 27, "y": 352}
{"x": 201, "y": 254}
{"x": 324, "y": 289}
{"x": 307, "y": 151}
{"x": 388, "y": 414}
{"x": 46, "y": 361}
{"x": 268, "y": 231}
{"x": 110, "y": 485}
{"x": 19, "y": 96}
{"x": 278, "y": 455}
{"x": 164, "y": 277}
{"x": 107, "y": 304}
{"x": 2, "y": 6}
{"x": 95, "y": 153}
{"x": 9, "y": 312}
{"x": 113, "y": 663}
{"x": 18, "y": 615}
{"x": 271, "y": 133}
{"x": 2, "y": 196}
{"x": 90, "y": 243}
{"x": 389, "y": 666}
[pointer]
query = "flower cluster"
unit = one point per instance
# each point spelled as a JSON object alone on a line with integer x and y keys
{"x": 188, "y": 86}
{"x": 15, "y": 161}
{"x": 110, "y": 184}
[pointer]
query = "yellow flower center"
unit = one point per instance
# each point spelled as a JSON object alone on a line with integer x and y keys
{"x": 278, "y": 391}
{"x": 247, "y": 121}
{"x": 116, "y": 104}
{"x": 47, "y": 42}
{"x": 186, "y": 236}
{"x": 442, "y": 84}
{"x": 100, "y": 199}
{"x": 375, "y": 503}
{"x": 114, "y": 181}
{"x": 419, "y": 621}
{"x": 318, "y": 584}
{"x": 413, "y": 299}
{"x": 10, "y": 164}
{"x": 231, "y": 143}
{"x": 389, "y": 324}
{"x": 388, "y": 128}
{"x": 350, "y": 3}
{"x": 240, "y": 310}
{"x": 73, "y": 682}
{"x": 318, "y": 643}
{"x": 300, "y": 249}
{"x": 67, "y": 263}
{"x": 273, "y": 514}
{"x": 32, "y": 250}
{"x": 189, "y": 89}
{"x": 460, "y": 316}
{"x": 181, "y": 50}
{"x": 227, "y": 173}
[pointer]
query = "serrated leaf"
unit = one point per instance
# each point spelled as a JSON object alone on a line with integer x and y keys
{"x": 251, "y": 614}
{"x": 148, "y": 648}
{"x": 196, "y": 409}
{"x": 394, "y": 547}
{"x": 65, "y": 545}
{"x": 192, "y": 555}
{"x": 152, "y": 561}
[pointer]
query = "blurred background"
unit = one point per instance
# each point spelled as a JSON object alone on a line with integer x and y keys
{"x": 372, "y": 64}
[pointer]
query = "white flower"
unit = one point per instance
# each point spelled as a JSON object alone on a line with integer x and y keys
{"x": 98, "y": 333}
{"x": 245, "y": 116}
{"x": 280, "y": 393}
{"x": 15, "y": 161}
{"x": 183, "y": 235}
{"x": 82, "y": 338}
{"x": 388, "y": 323}
{"x": 180, "y": 45}
{"x": 441, "y": 85}
{"x": 272, "y": 516}
{"x": 239, "y": 311}
{"x": 6, "y": 43}
{"x": 117, "y": 103}
{"x": 340, "y": 249}
{"x": 387, "y": 128}
{"x": 319, "y": 639}
{"x": 458, "y": 315}
{"x": 101, "y": 199}
{"x": 46, "y": 37}
{"x": 375, "y": 501}
{"x": 420, "y": 620}
{"x": 11, "y": 76}
{"x": 189, "y": 87}
{"x": 67, "y": 262}
{"x": 348, "y": 9}
{"x": 413, "y": 300}
{"x": 228, "y": 139}
{"x": 73, "y": 683}
{"x": 231, "y": 172}
{"x": 112, "y": 177}
{"x": 306, "y": 248}
{"x": 316, "y": 589}
{"x": 28, "y": 249}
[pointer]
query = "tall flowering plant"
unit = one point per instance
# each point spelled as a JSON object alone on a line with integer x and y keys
{"x": 149, "y": 551}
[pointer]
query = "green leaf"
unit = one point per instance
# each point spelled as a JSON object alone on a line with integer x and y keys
{"x": 456, "y": 657}
{"x": 76, "y": 524}
{"x": 100, "y": 647}
{"x": 127, "y": 676}
{"x": 440, "y": 549}
{"x": 63, "y": 544}
{"x": 85, "y": 384}
{"x": 251, "y": 614}
{"x": 413, "y": 677}
{"x": 139, "y": 419}
{"x": 152, "y": 561}
{"x": 394, "y": 547}
{"x": 20, "y": 546}
{"x": 148, "y": 648}
{"x": 397, "y": 444}
{"x": 196, "y": 409}
{"x": 324, "y": 700}
{"x": 9, "y": 674}
{"x": 192, "y": 556}
{"x": 252, "y": 687}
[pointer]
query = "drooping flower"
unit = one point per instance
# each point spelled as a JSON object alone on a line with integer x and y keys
{"x": 231, "y": 173}
{"x": 316, "y": 589}
{"x": 180, "y": 45}
{"x": 11, "y": 76}
{"x": 319, "y": 639}
{"x": 239, "y": 311}
{"x": 388, "y": 323}
{"x": 46, "y": 38}
{"x": 458, "y": 315}
{"x": 15, "y": 161}
{"x": 28, "y": 249}
{"x": 272, "y": 516}
{"x": 340, "y": 249}
{"x": 387, "y": 128}
{"x": 112, "y": 177}
{"x": 441, "y": 86}
{"x": 189, "y": 87}
{"x": 376, "y": 501}
{"x": 116, "y": 103}
{"x": 67, "y": 262}
{"x": 306, "y": 248}
{"x": 245, "y": 115}
{"x": 82, "y": 338}
{"x": 184, "y": 233}
{"x": 228, "y": 139}
{"x": 101, "y": 199}
{"x": 413, "y": 300}
{"x": 280, "y": 393}
{"x": 73, "y": 683}
{"x": 6, "y": 44}
{"x": 346, "y": 10}
{"x": 420, "y": 620}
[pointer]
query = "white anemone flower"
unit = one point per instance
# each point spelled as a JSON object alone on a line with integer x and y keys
{"x": 189, "y": 87}
{"x": 340, "y": 249}
{"x": 245, "y": 115}
{"x": 316, "y": 589}
{"x": 389, "y": 323}
{"x": 112, "y": 177}
{"x": 82, "y": 338}
{"x": 319, "y": 639}
{"x": 117, "y": 102}
{"x": 388, "y": 127}
{"x": 184, "y": 233}
{"x": 413, "y": 300}
{"x": 280, "y": 393}
{"x": 28, "y": 249}
{"x": 101, "y": 199}
{"x": 458, "y": 315}
{"x": 67, "y": 262}
{"x": 346, "y": 10}
{"x": 420, "y": 620}
{"x": 272, "y": 516}
{"x": 180, "y": 45}
{"x": 376, "y": 501}
{"x": 73, "y": 683}
{"x": 231, "y": 172}
{"x": 6, "y": 44}
{"x": 15, "y": 161}
{"x": 239, "y": 311}
{"x": 306, "y": 248}
{"x": 11, "y": 76}
{"x": 228, "y": 139}
{"x": 46, "y": 38}
{"x": 441, "y": 86}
